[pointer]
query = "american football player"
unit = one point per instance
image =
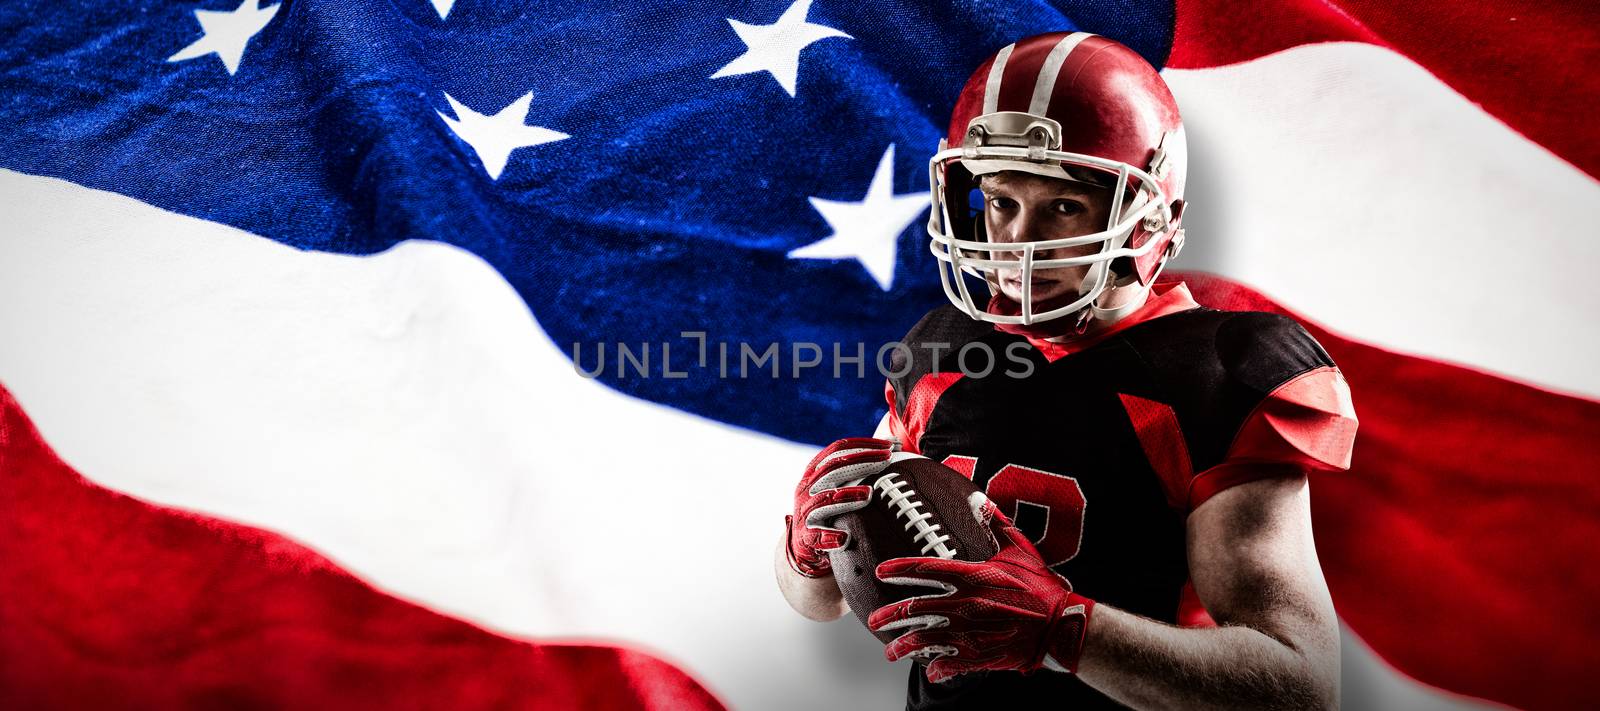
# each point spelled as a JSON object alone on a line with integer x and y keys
{"x": 1148, "y": 475}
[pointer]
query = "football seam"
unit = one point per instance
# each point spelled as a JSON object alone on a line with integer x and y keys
{"x": 902, "y": 500}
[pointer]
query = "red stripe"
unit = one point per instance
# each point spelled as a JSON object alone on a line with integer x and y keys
{"x": 1527, "y": 62}
{"x": 1073, "y": 66}
{"x": 1162, "y": 440}
{"x": 897, "y": 426}
{"x": 1309, "y": 421}
{"x": 1462, "y": 543}
{"x": 919, "y": 406}
{"x": 1021, "y": 74}
{"x": 110, "y": 602}
{"x": 968, "y": 466}
{"x": 1307, "y": 424}
{"x": 1231, "y": 473}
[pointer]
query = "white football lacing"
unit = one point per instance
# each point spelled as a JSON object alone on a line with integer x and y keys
{"x": 906, "y": 504}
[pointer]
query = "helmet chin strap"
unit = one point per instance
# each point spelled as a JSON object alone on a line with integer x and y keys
{"x": 1094, "y": 283}
{"x": 1116, "y": 313}
{"x": 1103, "y": 282}
{"x": 1094, "y": 312}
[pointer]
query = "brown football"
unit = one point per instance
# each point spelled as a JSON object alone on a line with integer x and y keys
{"x": 919, "y": 507}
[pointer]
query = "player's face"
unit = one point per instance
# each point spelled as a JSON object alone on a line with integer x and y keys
{"x": 1022, "y": 207}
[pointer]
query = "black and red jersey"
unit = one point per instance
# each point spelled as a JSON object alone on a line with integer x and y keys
{"x": 1101, "y": 447}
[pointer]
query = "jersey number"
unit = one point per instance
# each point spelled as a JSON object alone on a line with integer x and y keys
{"x": 1048, "y": 507}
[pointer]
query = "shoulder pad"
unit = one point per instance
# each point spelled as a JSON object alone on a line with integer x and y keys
{"x": 1262, "y": 351}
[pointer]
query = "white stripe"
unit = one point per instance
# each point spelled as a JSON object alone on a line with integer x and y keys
{"x": 1351, "y": 185}
{"x": 405, "y": 415}
{"x": 1366, "y": 681}
{"x": 1051, "y": 69}
{"x": 991, "y": 90}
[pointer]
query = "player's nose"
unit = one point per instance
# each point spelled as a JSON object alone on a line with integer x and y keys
{"x": 1017, "y": 230}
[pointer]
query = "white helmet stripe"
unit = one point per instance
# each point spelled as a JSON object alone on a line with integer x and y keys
{"x": 991, "y": 90}
{"x": 1046, "y": 83}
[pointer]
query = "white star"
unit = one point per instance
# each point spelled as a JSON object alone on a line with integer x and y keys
{"x": 775, "y": 48}
{"x": 443, "y": 7}
{"x": 493, "y": 138}
{"x": 226, "y": 33}
{"x": 867, "y": 231}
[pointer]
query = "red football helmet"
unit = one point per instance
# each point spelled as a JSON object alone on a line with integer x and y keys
{"x": 1070, "y": 106}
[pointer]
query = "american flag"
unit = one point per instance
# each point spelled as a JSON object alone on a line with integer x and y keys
{"x": 290, "y": 297}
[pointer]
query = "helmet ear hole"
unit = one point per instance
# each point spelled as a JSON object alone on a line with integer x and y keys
{"x": 1122, "y": 268}
{"x": 975, "y": 203}
{"x": 963, "y": 200}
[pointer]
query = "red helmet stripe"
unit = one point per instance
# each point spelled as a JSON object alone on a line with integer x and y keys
{"x": 1075, "y": 64}
{"x": 1022, "y": 74}
{"x": 1046, "y": 84}
{"x": 991, "y": 89}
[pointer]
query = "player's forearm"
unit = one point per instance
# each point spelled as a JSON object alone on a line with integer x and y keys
{"x": 814, "y": 598}
{"x": 1147, "y": 664}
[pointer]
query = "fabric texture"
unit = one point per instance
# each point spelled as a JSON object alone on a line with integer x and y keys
{"x": 109, "y": 602}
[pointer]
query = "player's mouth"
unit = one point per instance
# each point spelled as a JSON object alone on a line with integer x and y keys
{"x": 1011, "y": 282}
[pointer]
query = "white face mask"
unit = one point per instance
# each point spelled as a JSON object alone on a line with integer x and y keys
{"x": 1023, "y": 142}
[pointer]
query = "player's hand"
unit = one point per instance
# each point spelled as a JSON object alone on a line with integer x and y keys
{"x": 823, "y": 493}
{"x": 1007, "y": 613}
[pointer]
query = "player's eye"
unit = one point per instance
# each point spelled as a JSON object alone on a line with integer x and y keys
{"x": 1069, "y": 207}
{"x": 1002, "y": 203}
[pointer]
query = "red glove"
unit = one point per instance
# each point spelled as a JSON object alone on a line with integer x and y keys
{"x": 1009, "y": 612}
{"x": 826, "y": 491}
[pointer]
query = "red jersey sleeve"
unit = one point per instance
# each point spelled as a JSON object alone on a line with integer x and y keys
{"x": 1307, "y": 424}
